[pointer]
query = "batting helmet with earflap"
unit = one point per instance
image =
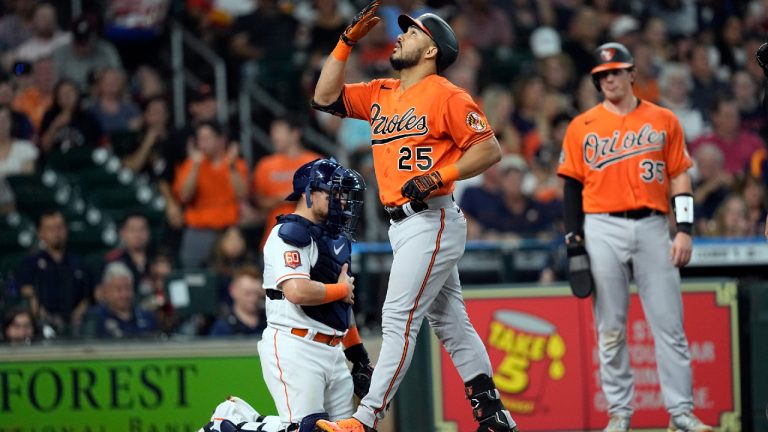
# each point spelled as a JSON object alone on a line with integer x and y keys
{"x": 609, "y": 56}
{"x": 440, "y": 32}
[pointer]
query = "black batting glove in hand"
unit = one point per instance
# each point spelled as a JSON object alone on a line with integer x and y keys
{"x": 762, "y": 57}
{"x": 419, "y": 187}
{"x": 361, "y": 369}
{"x": 362, "y": 24}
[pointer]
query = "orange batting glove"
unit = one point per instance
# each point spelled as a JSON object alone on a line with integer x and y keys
{"x": 362, "y": 24}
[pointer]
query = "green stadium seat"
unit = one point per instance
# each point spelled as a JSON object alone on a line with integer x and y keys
{"x": 192, "y": 292}
{"x": 84, "y": 238}
{"x": 77, "y": 158}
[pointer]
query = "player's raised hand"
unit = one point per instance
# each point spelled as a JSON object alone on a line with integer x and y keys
{"x": 362, "y": 24}
{"x": 344, "y": 277}
{"x": 681, "y": 249}
{"x": 419, "y": 187}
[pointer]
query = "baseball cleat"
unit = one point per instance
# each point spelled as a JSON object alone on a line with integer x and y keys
{"x": 687, "y": 422}
{"x": 617, "y": 423}
{"x": 346, "y": 425}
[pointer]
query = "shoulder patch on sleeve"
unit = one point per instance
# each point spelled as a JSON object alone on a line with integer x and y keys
{"x": 475, "y": 122}
{"x": 294, "y": 234}
{"x": 292, "y": 259}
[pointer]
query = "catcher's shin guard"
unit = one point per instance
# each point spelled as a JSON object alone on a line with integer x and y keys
{"x": 486, "y": 406}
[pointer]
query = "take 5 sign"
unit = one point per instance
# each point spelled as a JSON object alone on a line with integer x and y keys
{"x": 543, "y": 350}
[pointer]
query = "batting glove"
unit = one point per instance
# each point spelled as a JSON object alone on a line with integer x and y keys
{"x": 419, "y": 187}
{"x": 762, "y": 58}
{"x": 361, "y": 369}
{"x": 362, "y": 24}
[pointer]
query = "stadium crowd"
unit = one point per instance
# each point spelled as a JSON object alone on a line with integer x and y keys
{"x": 101, "y": 82}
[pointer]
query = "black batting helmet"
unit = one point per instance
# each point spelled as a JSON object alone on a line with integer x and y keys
{"x": 609, "y": 56}
{"x": 440, "y": 32}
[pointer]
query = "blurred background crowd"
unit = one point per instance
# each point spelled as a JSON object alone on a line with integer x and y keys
{"x": 146, "y": 146}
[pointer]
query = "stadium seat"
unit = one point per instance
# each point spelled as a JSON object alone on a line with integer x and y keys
{"x": 85, "y": 238}
{"x": 192, "y": 292}
{"x": 76, "y": 159}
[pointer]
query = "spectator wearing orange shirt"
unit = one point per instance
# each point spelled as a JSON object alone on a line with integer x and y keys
{"x": 34, "y": 98}
{"x": 210, "y": 184}
{"x": 273, "y": 175}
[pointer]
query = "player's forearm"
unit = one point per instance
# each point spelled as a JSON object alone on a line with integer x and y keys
{"x": 479, "y": 158}
{"x": 306, "y": 292}
{"x": 680, "y": 184}
{"x": 331, "y": 81}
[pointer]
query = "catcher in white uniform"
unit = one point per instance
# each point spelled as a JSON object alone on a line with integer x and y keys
{"x": 309, "y": 297}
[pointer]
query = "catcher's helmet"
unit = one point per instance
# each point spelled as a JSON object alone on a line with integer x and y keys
{"x": 345, "y": 189}
{"x": 440, "y": 32}
{"x": 609, "y": 56}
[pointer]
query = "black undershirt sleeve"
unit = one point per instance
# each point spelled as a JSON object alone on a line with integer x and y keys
{"x": 573, "y": 209}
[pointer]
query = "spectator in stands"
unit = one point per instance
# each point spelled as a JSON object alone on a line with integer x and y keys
{"x": 752, "y": 190}
{"x": 498, "y": 106}
{"x": 85, "y": 54}
{"x": 142, "y": 152}
{"x": 706, "y": 85}
{"x": 16, "y": 26}
{"x": 16, "y": 157}
{"x": 587, "y": 95}
{"x": 747, "y": 98}
{"x": 529, "y": 94}
{"x": 270, "y": 33}
{"x": 327, "y": 25}
{"x": 160, "y": 267}
{"x": 655, "y": 35}
{"x": 519, "y": 214}
{"x": 730, "y": 44}
{"x": 731, "y": 218}
{"x": 737, "y": 144}
{"x": 111, "y": 107}
{"x": 134, "y": 252}
{"x": 35, "y": 94}
{"x": 117, "y": 316}
{"x": 675, "y": 86}
{"x": 583, "y": 33}
{"x": 46, "y": 38}
{"x": 646, "y": 85}
{"x": 54, "y": 281}
{"x": 210, "y": 184}
{"x": 481, "y": 203}
{"x": 146, "y": 84}
{"x": 491, "y": 27}
{"x": 625, "y": 30}
{"x": 711, "y": 184}
{"x": 22, "y": 126}
{"x": 19, "y": 327}
{"x": 66, "y": 124}
{"x": 373, "y": 52}
{"x": 230, "y": 252}
{"x": 247, "y": 315}
{"x": 273, "y": 174}
{"x": 201, "y": 107}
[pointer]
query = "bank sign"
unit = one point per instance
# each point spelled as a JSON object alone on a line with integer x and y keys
{"x": 543, "y": 350}
{"x": 131, "y": 395}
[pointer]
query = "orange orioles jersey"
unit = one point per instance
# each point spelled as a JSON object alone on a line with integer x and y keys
{"x": 416, "y": 131}
{"x": 624, "y": 162}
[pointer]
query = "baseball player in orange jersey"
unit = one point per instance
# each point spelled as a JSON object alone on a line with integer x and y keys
{"x": 427, "y": 133}
{"x": 621, "y": 161}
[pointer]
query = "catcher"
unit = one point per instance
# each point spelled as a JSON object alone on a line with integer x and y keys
{"x": 309, "y": 298}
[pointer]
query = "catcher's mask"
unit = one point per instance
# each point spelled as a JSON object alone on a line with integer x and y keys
{"x": 345, "y": 189}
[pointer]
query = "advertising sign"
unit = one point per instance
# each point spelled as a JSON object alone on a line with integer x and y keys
{"x": 543, "y": 350}
{"x": 92, "y": 394}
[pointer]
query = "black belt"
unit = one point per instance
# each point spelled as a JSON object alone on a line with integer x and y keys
{"x": 274, "y": 294}
{"x": 397, "y": 213}
{"x": 636, "y": 213}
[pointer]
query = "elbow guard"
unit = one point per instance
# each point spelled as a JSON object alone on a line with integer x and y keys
{"x": 682, "y": 206}
{"x": 336, "y": 108}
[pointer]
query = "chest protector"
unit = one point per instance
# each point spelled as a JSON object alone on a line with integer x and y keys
{"x": 333, "y": 251}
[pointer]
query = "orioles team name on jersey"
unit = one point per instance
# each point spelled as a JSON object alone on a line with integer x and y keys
{"x": 404, "y": 126}
{"x": 600, "y": 152}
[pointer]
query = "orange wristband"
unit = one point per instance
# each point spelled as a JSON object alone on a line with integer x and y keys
{"x": 352, "y": 338}
{"x": 449, "y": 173}
{"x": 335, "y": 292}
{"x": 341, "y": 52}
